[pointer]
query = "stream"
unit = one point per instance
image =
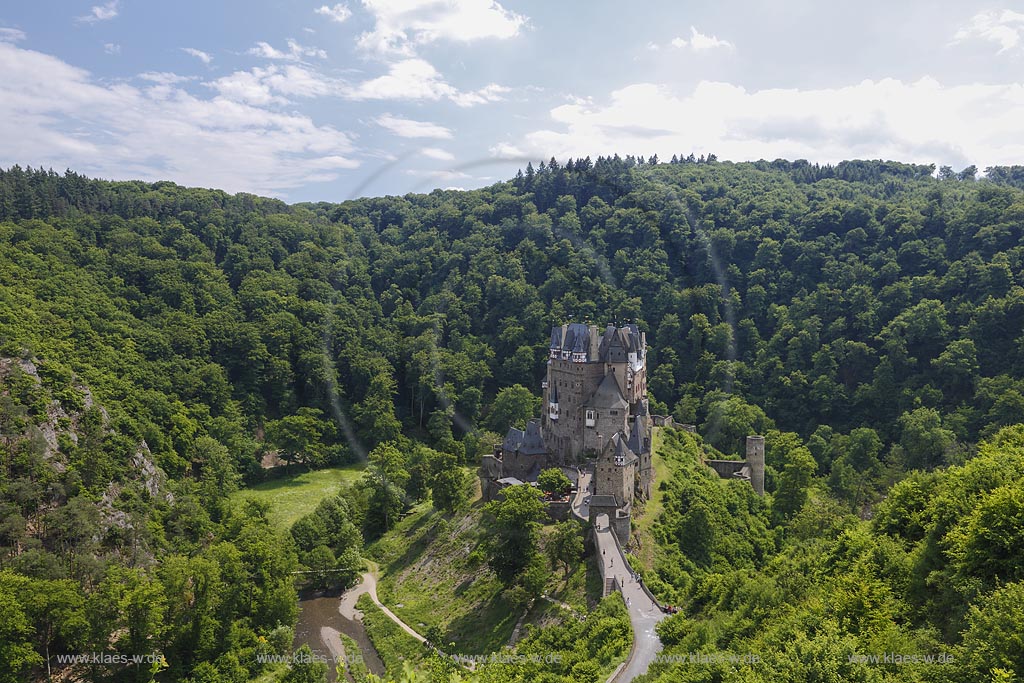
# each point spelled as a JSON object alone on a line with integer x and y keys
{"x": 319, "y": 624}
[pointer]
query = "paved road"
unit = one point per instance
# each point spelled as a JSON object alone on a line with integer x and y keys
{"x": 643, "y": 614}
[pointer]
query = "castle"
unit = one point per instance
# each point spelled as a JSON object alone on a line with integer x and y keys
{"x": 594, "y": 407}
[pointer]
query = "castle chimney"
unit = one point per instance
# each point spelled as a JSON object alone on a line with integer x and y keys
{"x": 755, "y": 460}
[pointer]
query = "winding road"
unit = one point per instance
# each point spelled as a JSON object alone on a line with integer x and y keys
{"x": 644, "y": 614}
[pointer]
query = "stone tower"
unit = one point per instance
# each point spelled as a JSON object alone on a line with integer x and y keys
{"x": 755, "y": 461}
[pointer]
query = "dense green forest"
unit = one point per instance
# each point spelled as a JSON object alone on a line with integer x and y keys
{"x": 157, "y": 340}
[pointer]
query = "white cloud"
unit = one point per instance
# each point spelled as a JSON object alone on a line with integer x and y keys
{"x": 411, "y": 79}
{"x": 923, "y": 121}
{"x": 1005, "y": 28}
{"x": 299, "y": 81}
{"x": 437, "y": 174}
{"x": 700, "y": 42}
{"x": 295, "y": 52}
{"x": 103, "y": 12}
{"x": 488, "y": 93}
{"x": 204, "y": 57}
{"x": 164, "y": 77}
{"x": 338, "y": 13}
{"x": 505, "y": 150}
{"x": 11, "y": 35}
{"x": 112, "y": 48}
{"x": 407, "y": 128}
{"x": 417, "y": 79}
{"x": 249, "y": 86}
{"x": 399, "y": 26}
{"x": 275, "y": 84}
{"x": 436, "y": 153}
{"x": 58, "y": 115}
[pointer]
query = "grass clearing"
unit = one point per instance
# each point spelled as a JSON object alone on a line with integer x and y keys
{"x": 354, "y": 663}
{"x": 652, "y": 508}
{"x": 394, "y": 645}
{"x": 296, "y": 495}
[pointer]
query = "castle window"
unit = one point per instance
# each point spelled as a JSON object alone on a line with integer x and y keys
{"x": 613, "y": 412}
{"x": 591, "y": 417}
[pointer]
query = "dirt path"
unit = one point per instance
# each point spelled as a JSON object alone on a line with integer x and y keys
{"x": 368, "y": 584}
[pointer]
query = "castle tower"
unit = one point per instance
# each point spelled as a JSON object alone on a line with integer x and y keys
{"x": 755, "y": 461}
{"x": 615, "y": 473}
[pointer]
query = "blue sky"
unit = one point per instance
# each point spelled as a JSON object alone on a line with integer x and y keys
{"x": 313, "y": 101}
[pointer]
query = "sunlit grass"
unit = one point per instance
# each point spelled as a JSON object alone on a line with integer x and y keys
{"x": 297, "y": 495}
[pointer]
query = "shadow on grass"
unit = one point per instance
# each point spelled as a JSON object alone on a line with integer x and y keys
{"x": 484, "y": 630}
{"x": 416, "y": 548}
{"x": 464, "y": 586}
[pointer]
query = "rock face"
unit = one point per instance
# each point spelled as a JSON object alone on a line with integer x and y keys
{"x": 55, "y": 423}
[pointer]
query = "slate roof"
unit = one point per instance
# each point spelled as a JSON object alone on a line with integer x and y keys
{"x": 577, "y": 338}
{"x": 556, "y": 337}
{"x": 613, "y": 345}
{"x": 528, "y": 442}
{"x": 636, "y": 435}
{"x": 622, "y": 450}
{"x": 533, "y": 441}
{"x": 513, "y": 439}
{"x": 607, "y": 395}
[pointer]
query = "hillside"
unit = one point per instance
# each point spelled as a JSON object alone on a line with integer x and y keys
{"x": 158, "y": 340}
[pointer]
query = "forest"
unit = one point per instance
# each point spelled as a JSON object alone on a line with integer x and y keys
{"x": 157, "y": 341}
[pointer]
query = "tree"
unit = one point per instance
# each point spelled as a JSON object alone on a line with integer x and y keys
{"x": 992, "y": 641}
{"x": 16, "y": 653}
{"x": 375, "y": 414}
{"x": 923, "y": 439}
{"x": 385, "y": 478}
{"x": 991, "y": 546}
{"x": 512, "y": 407}
{"x": 731, "y": 420}
{"x": 448, "y": 489}
{"x": 565, "y": 545}
{"x": 305, "y": 668}
{"x": 553, "y": 482}
{"x": 513, "y": 526}
{"x": 791, "y": 493}
{"x": 193, "y": 588}
{"x": 299, "y": 437}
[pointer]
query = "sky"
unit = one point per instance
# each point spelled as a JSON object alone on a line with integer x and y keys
{"x": 309, "y": 101}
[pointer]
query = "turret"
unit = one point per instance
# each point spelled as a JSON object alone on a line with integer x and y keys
{"x": 755, "y": 461}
